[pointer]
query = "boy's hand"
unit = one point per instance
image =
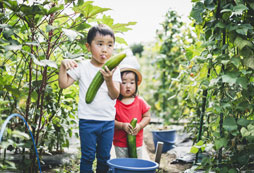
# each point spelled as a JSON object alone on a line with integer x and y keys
{"x": 107, "y": 74}
{"x": 69, "y": 64}
{"x": 136, "y": 129}
{"x": 127, "y": 128}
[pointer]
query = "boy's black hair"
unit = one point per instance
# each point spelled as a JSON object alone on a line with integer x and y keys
{"x": 136, "y": 82}
{"x": 101, "y": 29}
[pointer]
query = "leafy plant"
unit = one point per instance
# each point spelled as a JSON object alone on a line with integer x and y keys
{"x": 172, "y": 39}
{"x": 225, "y": 79}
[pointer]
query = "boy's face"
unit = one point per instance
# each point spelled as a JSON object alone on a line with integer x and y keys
{"x": 128, "y": 85}
{"x": 101, "y": 48}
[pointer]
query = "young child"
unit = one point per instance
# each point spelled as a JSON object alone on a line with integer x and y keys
{"x": 129, "y": 106}
{"x": 96, "y": 120}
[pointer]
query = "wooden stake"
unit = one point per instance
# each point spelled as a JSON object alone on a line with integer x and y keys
{"x": 158, "y": 152}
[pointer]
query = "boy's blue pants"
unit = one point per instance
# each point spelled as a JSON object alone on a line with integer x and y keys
{"x": 96, "y": 139}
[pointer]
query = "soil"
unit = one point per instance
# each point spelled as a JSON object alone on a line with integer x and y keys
{"x": 166, "y": 165}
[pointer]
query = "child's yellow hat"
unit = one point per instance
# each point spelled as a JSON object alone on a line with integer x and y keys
{"x": 129, "y": 68}
{"x": 130, "y": 63}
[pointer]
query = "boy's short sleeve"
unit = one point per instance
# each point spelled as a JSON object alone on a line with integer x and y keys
{"x": 75, "y": 73}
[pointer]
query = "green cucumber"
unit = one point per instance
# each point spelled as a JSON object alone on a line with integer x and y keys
{"x": 131, "y": 141}
{"x": 98, "y": 78}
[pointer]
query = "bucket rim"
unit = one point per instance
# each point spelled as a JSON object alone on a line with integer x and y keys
{"x": 167, "y": 142}
{"x": 171, "y": 130}
{"x": 134, "y": 168}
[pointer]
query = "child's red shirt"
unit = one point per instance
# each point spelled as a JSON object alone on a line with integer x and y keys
{"x": 125, "y": 113}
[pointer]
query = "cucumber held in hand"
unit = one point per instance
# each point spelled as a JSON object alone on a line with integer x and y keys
{"x": 131, "y": 141}
{"x": 98, "y": 78}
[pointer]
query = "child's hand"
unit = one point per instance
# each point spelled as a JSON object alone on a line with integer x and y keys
{"x": 136, "y": 129}
{"x": 127, "y": 128}
{"x": 69, "y": 64}
{"x": 107, "y": 74}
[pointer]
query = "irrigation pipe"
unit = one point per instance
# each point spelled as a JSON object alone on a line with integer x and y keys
{"x": 4, "y": 126}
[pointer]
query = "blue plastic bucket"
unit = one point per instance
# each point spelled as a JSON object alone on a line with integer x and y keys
{"x": 168, "y": 137}
{"x": 131, "y": 165}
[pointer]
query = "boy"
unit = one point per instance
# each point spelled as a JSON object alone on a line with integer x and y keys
{"x": 96, "y": 120}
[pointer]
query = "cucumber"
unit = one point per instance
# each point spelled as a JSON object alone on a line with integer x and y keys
{"x": 131, "y": 141}
{"x": 98, "y": 78}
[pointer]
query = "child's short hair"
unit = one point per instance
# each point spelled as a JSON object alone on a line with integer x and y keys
{"x": 101, "y": 29}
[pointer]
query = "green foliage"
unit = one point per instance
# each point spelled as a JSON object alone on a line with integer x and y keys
{"x": 172, "y": 41}
{"x": 207, "y": 80}
{"x": 137, "y": 49}
{"x": 224, "y": 77}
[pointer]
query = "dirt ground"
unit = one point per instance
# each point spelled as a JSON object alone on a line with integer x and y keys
{"x": 166, "y": 158}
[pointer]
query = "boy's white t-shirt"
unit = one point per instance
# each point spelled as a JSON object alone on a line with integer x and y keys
{"x": 102, "y": 107}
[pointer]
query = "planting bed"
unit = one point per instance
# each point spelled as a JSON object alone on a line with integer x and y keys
{"x": 183, "y": 146}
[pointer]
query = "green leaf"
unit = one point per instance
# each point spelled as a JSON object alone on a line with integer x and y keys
{"x": 243, "y": 82}
{"x": 36, "y": 61}
{"x": 33, "y": 10}
{"x": 55, "y": 9}
{"x": 244, "y": 132}
{"x": 226, "y": 10}
{"x": 209, "y": 4}
{"x": 246, "y": 52}
{"x": 222, "y": 142}
{"x": 194, "y": 150}
{"x": 229, "y": 124}
{"x": 13, "y": 5}
{"x": 71, "y": 34}
{"x": 13, "y": 47}
{"x": 238, "y": 10}
{"x": 236, "y": 61}
{"x": 7, "y": 33}
{"x": 49, "y": 63}
{"x": 250, "y": 127}
{"x": 108, "y": 20}
{"x": 251, "y": 5}
{"x": 200, "y": 143}
{"x": 82, "y": 26}
{"x": 50, "y": 28}
{"x": 44, "y": 62}
{"x": 249, "y": 62}
{"x": 243, "y": 122}
{"x": 121, "y": 40}
{"x": 245, "y": 72}
{"x": 4, "y": 26}
{"x": 232, "y": 170}
{"x": 20, "y": 134}
{"x": 122, "y": 27}
{"x": 243, "y": 29}
{"x": 4, "y": 144}
{"x": 88, "y": 10}
{"x": 196, "y": 12}
{"x": 220, "y": 25}
{"x": 96, "y": 10}
{"x": 241, "y": 43}
{"x": 32, "y": 44}
{"x": 230, "y": 78}
{"x": 226, "y": 105}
